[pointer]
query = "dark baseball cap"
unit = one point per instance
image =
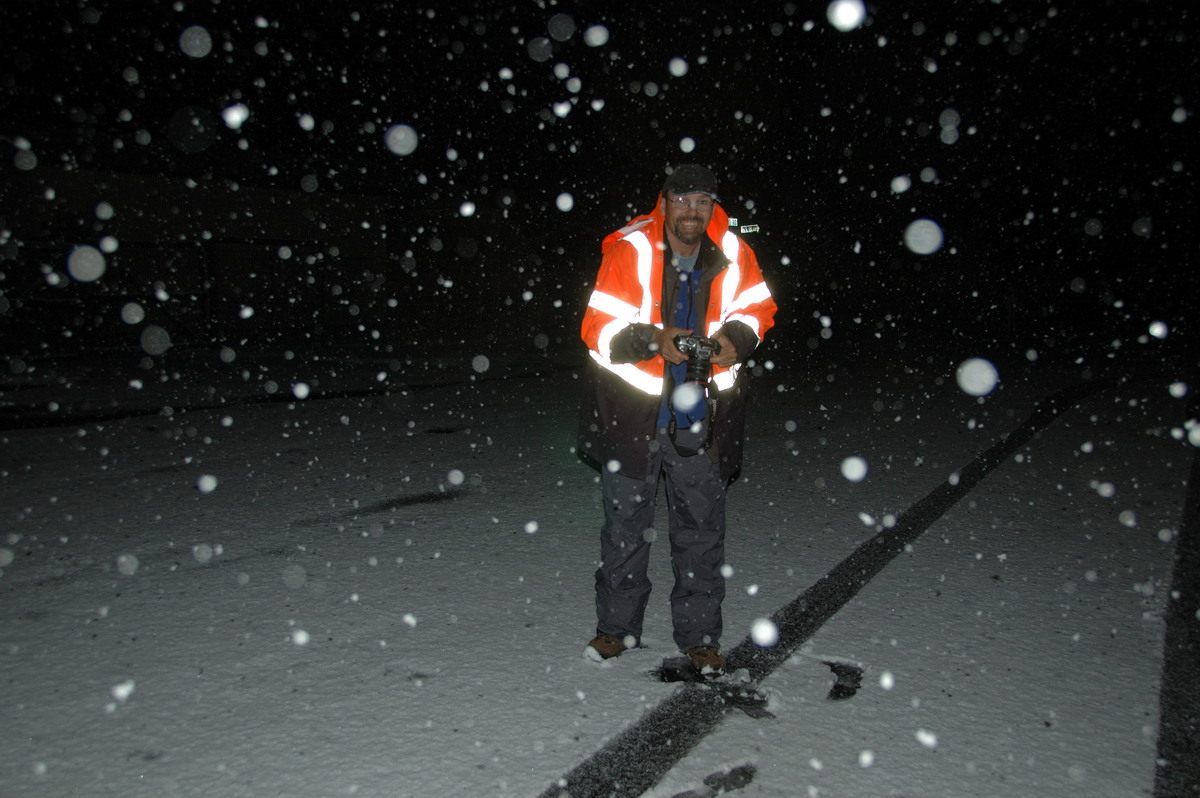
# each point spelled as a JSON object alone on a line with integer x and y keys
{"x": 690, "y": 178}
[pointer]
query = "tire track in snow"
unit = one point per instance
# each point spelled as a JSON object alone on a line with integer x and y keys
{"x": 1177, "y": 769}
{"x": 635, "y": 760}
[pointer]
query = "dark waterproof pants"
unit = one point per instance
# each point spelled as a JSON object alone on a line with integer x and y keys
{"x": 696, "y": 525}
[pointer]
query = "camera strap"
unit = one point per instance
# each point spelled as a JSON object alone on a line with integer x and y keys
{"x": 682, "y": 428}
{"x": 696, "y": 437}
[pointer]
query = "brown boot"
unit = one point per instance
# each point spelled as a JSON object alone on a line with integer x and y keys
{"x": 604, "y": 647}
{"x": 708, "y": 660}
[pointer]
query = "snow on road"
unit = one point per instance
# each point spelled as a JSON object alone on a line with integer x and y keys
{"x": 389, "y": 595}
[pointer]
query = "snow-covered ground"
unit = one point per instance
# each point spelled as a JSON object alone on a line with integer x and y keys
{"x": 388, "y": 594}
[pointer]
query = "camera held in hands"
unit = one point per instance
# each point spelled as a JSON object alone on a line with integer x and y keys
{"x": 694, "y": 434}
{"x": 699, "y": 351}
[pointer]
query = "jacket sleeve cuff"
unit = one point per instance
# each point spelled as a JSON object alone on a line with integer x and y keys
{"x": 633, "y": 344}
{"x": 743, "y": 338}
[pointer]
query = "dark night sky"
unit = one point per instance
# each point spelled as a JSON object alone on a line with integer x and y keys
{"x": 1073, "y": 161}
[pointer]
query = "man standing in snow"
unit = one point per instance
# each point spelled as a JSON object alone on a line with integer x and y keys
{"x": 677, "y": 271}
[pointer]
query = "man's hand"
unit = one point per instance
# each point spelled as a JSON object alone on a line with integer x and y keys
{"x": 664, "y": 341}
{"x": 729, "y": 353}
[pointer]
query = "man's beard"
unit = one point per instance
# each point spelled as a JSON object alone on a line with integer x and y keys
{"x": 689, "y": 238}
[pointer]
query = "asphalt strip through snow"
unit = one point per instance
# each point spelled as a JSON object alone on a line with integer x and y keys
{"x": 1178, "y": 765}
{"x": 637, "y": 758}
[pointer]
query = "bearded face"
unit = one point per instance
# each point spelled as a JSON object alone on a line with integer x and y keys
{"x": 687, "y": 216}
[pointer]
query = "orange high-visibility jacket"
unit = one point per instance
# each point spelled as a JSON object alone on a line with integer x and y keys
{"x": 625, "y": 383}
{"x": 629, "y": 290}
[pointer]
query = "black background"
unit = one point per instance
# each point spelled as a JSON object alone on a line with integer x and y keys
{"x": 1067, "y": 201}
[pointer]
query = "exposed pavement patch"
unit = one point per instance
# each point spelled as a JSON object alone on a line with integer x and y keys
{"x": 385, "y": 506}
{"x": 1177, "y": 770}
